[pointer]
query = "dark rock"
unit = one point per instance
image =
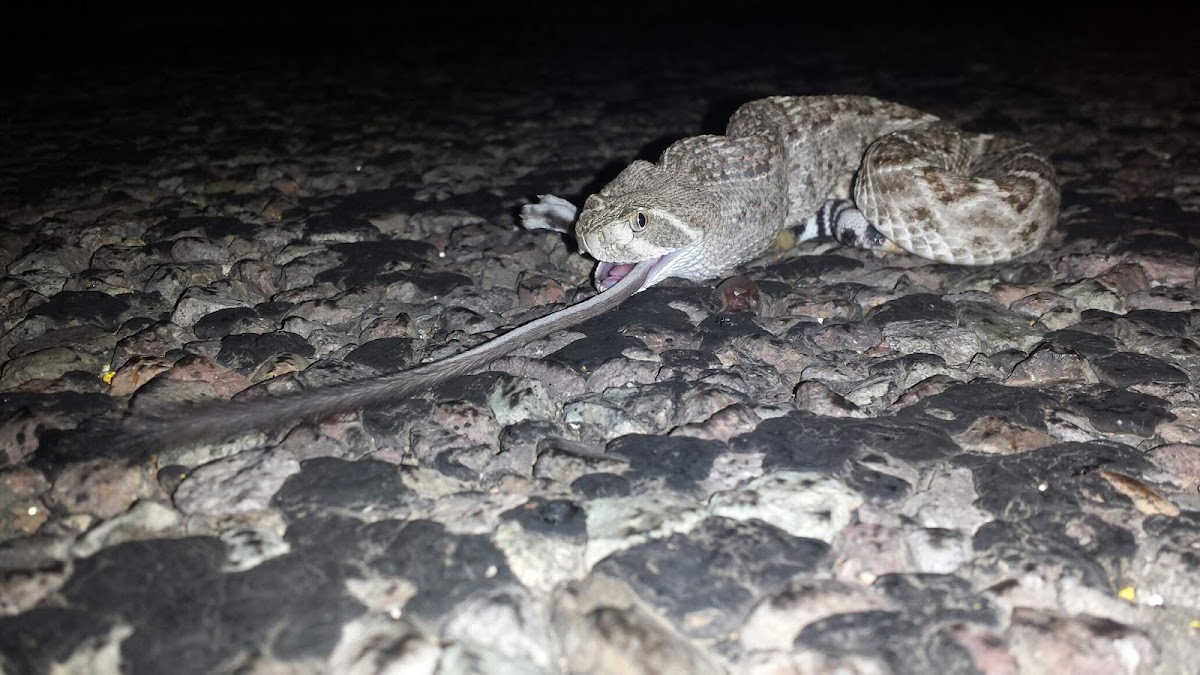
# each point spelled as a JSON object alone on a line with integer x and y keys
{"x": 67, "y": 403}
{"x": 715, "y": 570}
{"x": 720, "y": 329}
{"x": 877, "y": 486}
{"x": 246, "y": 351}
{"x": 1053, "y": 479}
{"x": 958, "y": 407}
{"x": 650, "y": 308}
{"x": 939, "y": 599}
{"x": 678, "y": 462}
{"x": 601, "y": 485}
{"x": 464, "y": 565}
{"x": 1176, "y": 324}
{"x": 801, "y": 441}
{"x": 922, "y": 307}
{"x": 591, "y": 352}
{"x": 430, "y": 284}
{"x": 1058, "y": 541}
{"x": 906, "y": 645}
{"x": 556, "y": 518}
{"x": 1120, "y": 411}
{"x": 688, "y": 359}
{"x": 329, "y": 483}
{"x": 1082, "y": 343}
{"x": 854, "y": 337}
{"x": 225, "y": 322}
{"x": 209, "y": 227}
{"x": 75, "y": 307}
{"x": 1125, "y": 369}
{"x": 386, "y": 355}
{"x": 169, "y": 589}
{"x": 391, "y": 422}
{"x": 370, "y": 260}
{"x": 809, "y": 269}
{"x": 170, "y": 476}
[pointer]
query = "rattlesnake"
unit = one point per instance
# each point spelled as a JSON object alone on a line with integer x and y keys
{"x": 714, "y": 202}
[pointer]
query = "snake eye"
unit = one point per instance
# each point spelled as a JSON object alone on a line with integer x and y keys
{"x": 639, "y": 222}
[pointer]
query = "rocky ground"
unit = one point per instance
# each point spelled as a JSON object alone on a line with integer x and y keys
{"x": 837, "y": 461}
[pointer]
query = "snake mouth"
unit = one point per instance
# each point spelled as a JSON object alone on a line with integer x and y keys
{"x": 608, "y": 273}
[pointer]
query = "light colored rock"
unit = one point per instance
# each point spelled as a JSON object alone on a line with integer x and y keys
{"x": 803, "y": 504}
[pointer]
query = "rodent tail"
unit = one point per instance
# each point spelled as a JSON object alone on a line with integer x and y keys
{"x": 186, "y": 425}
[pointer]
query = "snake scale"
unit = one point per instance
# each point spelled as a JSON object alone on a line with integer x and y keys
{"x": 714, "y": 202}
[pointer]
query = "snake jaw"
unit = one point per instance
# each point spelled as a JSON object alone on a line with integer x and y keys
{"x": 609, "y": 273}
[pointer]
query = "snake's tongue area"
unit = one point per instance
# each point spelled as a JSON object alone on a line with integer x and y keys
{"x": 608, "y": 273}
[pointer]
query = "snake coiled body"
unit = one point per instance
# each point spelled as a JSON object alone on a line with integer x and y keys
{"x": 714, "y": 202}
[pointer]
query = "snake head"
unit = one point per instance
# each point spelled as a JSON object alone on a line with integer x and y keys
{"x": 640, "y": 216}
{"x": 623, "y": 232}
